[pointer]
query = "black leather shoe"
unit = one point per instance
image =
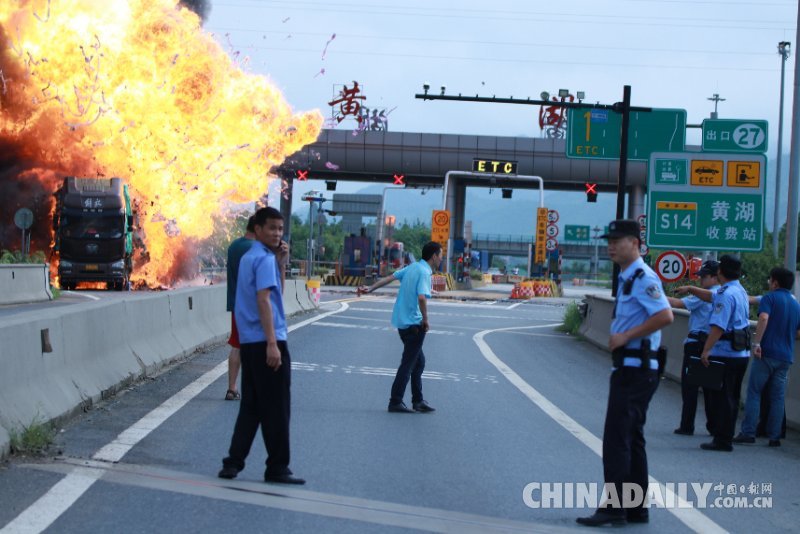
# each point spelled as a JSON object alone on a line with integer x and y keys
{"x": 774, "y": 443}
{"x": 284, "y": 479}
{"x": 741, "y": 438}
{"x": 682, "y": 432}
{"x": 423, "y": 406}
{"x": 601, "y": 518}
{"x": 400, "y": 407}
{"x": 714, "y": 446}
{"x": 639, "y": 516}
{"x": 228, "y": 472}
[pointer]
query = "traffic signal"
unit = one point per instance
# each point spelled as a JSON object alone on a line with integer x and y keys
{"x": 399, "y": 179}
{"x": 302, "y": 175}
{"x": 591, "y": 192}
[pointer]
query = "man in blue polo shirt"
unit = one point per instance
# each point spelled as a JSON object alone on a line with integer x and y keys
{"x": 266, "y": 364}
{"x": 410, "y": 317}
{"x": 773, "y": 354}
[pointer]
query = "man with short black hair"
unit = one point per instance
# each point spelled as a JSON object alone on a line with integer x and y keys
{"x": 727, "y": 343}
{"x": 266, "y": 364}
{"x": 773, "y": 354}
{"x": 640, "y": 312}
{"x": 236, "y": 250}
{"x": 699, "y": 314}
{"x": 410, "y": 317}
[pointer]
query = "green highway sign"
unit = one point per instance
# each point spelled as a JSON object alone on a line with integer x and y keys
{"x": 576, "y": 234}
{"x": 706, "y": 201}
{"x": 734, "y": 135}
{"x": 595, "y": 133}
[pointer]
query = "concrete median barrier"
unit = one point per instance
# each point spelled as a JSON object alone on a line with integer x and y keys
{"x": 596, "y": 325}
{"x": 59, "y": 361}
{"x": 22, "y": 282}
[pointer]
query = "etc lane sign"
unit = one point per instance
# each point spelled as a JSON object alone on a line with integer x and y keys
{"x": 595, "y": 133}
{"x": 706, "y": 201}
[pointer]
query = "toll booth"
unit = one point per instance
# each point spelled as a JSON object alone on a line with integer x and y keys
{"x": 356, "y": 255}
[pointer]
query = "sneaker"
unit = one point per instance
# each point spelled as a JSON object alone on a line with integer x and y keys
{"x": 774, "y": 443}
{"x": 423, "y": 406}
{"x": 682, "y": 432}
{"x": 400, "y": 407}
{"x": 741, "y": 438}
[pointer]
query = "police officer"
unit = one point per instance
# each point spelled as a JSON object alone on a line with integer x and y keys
{"x": 728, "y": 343}
{"x": 699, "y": 314}
{"x": 640, "y": 312}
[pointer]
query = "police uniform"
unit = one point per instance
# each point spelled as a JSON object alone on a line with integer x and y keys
{"x": 699, "y": 315}
{"x": 634, "y": 379}
{"x": 731, "y": 312}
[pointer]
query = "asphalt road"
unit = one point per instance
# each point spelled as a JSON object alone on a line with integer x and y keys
{"x": 517, "y": 403}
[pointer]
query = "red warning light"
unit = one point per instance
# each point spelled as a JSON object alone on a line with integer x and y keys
{"x": 399, "y": 179}
{"x": 302, "y": 175}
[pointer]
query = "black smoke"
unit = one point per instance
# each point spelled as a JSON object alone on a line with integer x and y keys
{"x": 201, "y": 7}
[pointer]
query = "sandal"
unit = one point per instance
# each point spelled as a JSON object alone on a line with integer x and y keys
{"x": 232, "y": 395}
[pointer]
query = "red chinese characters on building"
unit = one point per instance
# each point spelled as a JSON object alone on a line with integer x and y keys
{"x": 348, "y": 103}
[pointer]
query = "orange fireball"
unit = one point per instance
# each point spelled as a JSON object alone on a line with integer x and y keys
{"x": 136, "y": 89}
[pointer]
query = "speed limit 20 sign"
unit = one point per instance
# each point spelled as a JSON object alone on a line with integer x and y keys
{"x": 670, "y": 266}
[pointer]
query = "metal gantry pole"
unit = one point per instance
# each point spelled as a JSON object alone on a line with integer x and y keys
{"x": 623, "y": 171}
{"x": 310, "y": 244}
{"x": 783, "y": 50}
{"x": 790, "y": 257}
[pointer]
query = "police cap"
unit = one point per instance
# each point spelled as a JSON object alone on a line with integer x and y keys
{"x": 622, "y": 228}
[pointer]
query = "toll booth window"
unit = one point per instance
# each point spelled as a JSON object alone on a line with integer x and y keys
{"x": 357, "y": 255}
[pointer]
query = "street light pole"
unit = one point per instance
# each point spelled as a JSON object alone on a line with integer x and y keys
{"x": 790, "y": 255}
{"x": 783, "y": 50}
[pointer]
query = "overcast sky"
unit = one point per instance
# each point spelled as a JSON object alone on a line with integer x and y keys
{"x": 674, "y": 54}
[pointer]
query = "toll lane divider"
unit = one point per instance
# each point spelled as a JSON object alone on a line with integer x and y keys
{"x": 596, "y": 325}
{"x": 60, "y": 361}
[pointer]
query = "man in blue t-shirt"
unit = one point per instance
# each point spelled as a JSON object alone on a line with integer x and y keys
{"x": 699, "y": 314}
{"x": 410, "y": 317}
{"x": 266, "y": 364}
{"x": 236, "y": 250}
{"x": 773, "y": 354}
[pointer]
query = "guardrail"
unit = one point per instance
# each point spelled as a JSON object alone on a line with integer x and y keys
{"x": 595, "y": 329}
{"x": 24, "y": 282}
{"x": 56, "y": 362}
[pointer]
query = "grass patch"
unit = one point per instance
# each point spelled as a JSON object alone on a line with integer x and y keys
{"x": 33, "y": 439}
{"x": 572, "y": 320}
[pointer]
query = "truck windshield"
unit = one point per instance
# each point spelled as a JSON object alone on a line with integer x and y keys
{"x": 92, "y": 226}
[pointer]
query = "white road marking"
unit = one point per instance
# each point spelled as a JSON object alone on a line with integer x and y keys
{"x": 384, "y": 328}
{"x": 80, "y": 294}
{"x": 468, "y": 315}
{"x": 386, "y": 371}
{"x": 59, "y": 498}
{"x": 688, "y": 515}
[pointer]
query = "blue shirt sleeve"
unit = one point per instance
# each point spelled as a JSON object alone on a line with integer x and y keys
{"x": 266, "y": 272}
{"x": 721, "y": 314}
{"x": 401, "y": 273}
{"x": 424, "y": 285}
{"x": 692, "y": 303}
{"x": 652, "y": 297}
{"x": 765, "y": 304}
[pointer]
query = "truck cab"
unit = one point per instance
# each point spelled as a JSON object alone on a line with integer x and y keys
{"x": 93, "y": 225}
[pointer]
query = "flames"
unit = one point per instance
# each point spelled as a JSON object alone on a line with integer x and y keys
{"x": 136, "y": 89}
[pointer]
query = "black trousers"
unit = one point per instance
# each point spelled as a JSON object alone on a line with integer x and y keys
{"x": 689, "y": 392}
{"x": 411, "y": 366}
{"x": 725, "y": 402}
{"x": 266, "y": 401}
{"x": 624, "y": 455}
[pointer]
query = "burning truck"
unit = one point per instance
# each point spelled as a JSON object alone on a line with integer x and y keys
{"x": 94, "y": 234}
